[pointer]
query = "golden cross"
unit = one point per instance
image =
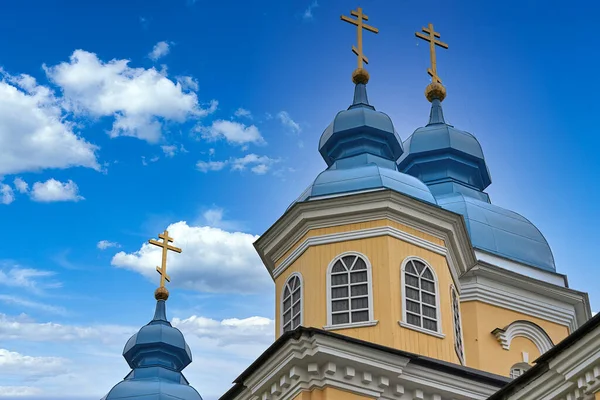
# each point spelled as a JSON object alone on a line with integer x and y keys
{"x": 360, "y": 17}
{"x": 432, "y": 43}
{"x": 165, "y": 247}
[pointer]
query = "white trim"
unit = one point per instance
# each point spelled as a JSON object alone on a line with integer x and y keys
{"x": 438, "y": 312}
{"x": 355, "y": 235}
{"x": 454, "y": 293}
{"x": 525, "y": 329}
{"x": 330, "y": 325}
{"x": 299, "y": 275}
{"x": 422, "y": 330}
{"x": 353, "y": 325}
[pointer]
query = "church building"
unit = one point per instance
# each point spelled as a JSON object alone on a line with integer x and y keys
{"x": 397, "y": 278}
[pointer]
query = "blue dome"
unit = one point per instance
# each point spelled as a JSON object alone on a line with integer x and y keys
{"x": 360, "y": 148}
{"x": 365, "y": 178}
{"x": 157, "y": 354}
{"x": 501, "y": 232}
{"x": 439, "y": 154}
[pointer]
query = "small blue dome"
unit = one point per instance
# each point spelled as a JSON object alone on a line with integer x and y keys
{"x": 360, "y": 148}
{"x": 157, "y": 354}
{"x": 501, "y": 232}
{"x": 439, "y": 153}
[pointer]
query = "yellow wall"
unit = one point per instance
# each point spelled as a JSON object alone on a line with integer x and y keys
{"x": 330, "y": 393}
{"x": 386, "y": 255}
{"x": 483, "y": 349}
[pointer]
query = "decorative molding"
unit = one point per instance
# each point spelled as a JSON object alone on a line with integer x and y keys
{"x": 438, "y": 312}
{"x": 525, "y": 329}
{"x": 352, "y": 325}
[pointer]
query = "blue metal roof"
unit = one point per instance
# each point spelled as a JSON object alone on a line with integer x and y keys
{"x": 157, "y": 354}
{"x": 360, "y": 148}
{"x": 501, "y": 232}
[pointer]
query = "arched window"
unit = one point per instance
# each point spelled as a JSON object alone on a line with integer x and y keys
{"x": 349, "y": 291}
{"x": 291, "y": 306}
{"x": 518, "y": 370}
{"x": 458, "y": 338}
{"x": 421, "y": 302}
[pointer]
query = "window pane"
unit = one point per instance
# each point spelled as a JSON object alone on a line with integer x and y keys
{"x": 427, "y": 274}
{"x": 296, "y": 308}
{"x": 287, "y": 327}
{"x": 413, "y": 307}
{"x": 339, "y": 279}
{"x": 338, "y": 267}
{"x": 412, "y": 293}
{"x": 429, "y": 324}
{"x": 418, "y": 266}
{"x": 429, "y": 286}
{"x": 428, "y": 298}
{"x": 429, "y": 312}
{"x": 413, "y": 319}
{"x": 412, "y": 280}
{"x": 296, "y": 322}
{"x": 359, "y": 290}
{"x": 359, "y": 264}
{"x": 286, "y": 317}
{"x": 340, "y": 318}
{"x": 296, "y": 296}
{"x": 286, "y": 291}
{"x": 358, "y": 276}
{"x": 287, "y": 304}
{"x": 360, "y": 316}
{"x": 339, "y": 305}
{"x": 339, "y": 292}
{"x": 348, "y": 261}
{"x": 362, "y": 302}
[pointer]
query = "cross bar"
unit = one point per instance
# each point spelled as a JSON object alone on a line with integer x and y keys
{"x": 165, "y": 245}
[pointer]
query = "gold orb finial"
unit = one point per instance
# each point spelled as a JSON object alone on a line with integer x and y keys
{"x": 435, "y": 91}
{"x": 360, "y": 75}
{"x": 161, "y": 293}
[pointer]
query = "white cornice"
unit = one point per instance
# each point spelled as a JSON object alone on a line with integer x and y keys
{"x": 321, "y": 361}
{"x": 362, "y": 207}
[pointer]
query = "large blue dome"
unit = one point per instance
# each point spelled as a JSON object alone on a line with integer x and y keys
{"x": 501, "y": 232}
{"x": 360, "y": 148}
{"x": 157, "y": 354}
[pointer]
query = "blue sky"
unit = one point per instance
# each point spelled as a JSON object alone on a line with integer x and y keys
{"x": 119, "y": 119}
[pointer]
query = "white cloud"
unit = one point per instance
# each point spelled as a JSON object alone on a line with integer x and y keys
{"x": 206, "y": 166}
{"x": 228, "y": 332}
{"x": 288, "y": 122}
{"x": 31, "y": 279}
{"x": 187, "y": 83}
{"x": 308, "y": 13}
{"x": 7, "y": 195}
{"x": 19, "y": 391}
{"x": 13, "y": 363}
{"x": 53, "y": 190}
{"x": 18, "y": 301}
{"x": 159, "y": 50}
{"x": 257, "y": 164}
{"x": 140, "y": 100}
{"x": 169, "y": 150}
{"x": 242, "y": 112}
{"x": 105, "y": 244}
{"x": 213, "y": 260}
{"x": 33, "y": 131}
{"x": 150, "y": 160}
{"x": 233, "y": 132}
{"x": 21, "y": 185}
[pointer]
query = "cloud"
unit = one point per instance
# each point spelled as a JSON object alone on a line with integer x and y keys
{"x": 21, "y": 185}
{"x": 308, "y": 13}
{"x": 159, "y": 50}
{"x": 140, "y": 100}
{"x": 150, "y": 160}
{"x": 172, "y": 149}
{"x": 105, "y": 244}
{"x": 18, "y": 301}
{"x": 18, "y": 391}
{"x": 242, "y": 112}
{"x": 228, "y": 332}
{"x": 288, "y": 122}
{"x": 187, "y": 83}
{"x": 7, "y": 195}
{"x": 212, "y": 260}
{"x": 53, "y": 190}
{"x": 32, "y": 279}
{"x": 233, "y": 132}
{"x": 33, "y": 131}
{"x": 259, "y": 165}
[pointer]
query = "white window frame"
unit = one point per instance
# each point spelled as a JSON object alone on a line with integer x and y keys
{"x": 281, "y": 299}
{"x": 522, "y": 367}
{"x": 371, "y": 321}
{"x": 404, "y": 322}
{"x": 461, "y": 355}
